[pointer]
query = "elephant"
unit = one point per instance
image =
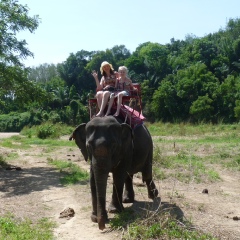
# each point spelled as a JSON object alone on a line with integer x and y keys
{"x": 113, "y": 146}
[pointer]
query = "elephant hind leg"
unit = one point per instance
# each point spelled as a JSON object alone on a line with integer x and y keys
{"x": 152, "y": 190}
{"x": 128, "y": 195}
{"x": 116, "y": 205}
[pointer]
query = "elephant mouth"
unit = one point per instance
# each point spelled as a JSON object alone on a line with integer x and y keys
{"x": 101, "y": 152}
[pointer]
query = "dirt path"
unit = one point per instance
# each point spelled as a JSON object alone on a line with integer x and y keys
{"x": 36, "y": 192}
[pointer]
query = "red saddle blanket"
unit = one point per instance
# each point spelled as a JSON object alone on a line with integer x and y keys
{"x": 131, "y": 116}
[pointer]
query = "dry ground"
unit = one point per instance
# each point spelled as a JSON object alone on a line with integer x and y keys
{"x": 36, "y": 192}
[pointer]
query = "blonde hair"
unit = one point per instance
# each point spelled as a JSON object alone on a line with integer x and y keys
{"x": 123, "y": 68}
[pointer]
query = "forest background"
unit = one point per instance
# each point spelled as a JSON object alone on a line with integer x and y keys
{"x": 192, "y": 80}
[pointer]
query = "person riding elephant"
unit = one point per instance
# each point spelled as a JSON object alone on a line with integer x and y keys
{"x": 106, "y": 86}
{"x": 112, "y": 146}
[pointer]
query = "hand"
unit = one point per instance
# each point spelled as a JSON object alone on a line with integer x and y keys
{"x": 116, "y": 74}
{"x": 95, "y": 74}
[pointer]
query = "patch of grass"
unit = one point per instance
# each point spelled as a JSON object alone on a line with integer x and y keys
{"x": 186, "y": 168}
{"x": 72, "y": 172}
{"x": 47, "y": 130}
{"x": 162, "y": 226}
{"x": 159, "y": 224}
{"x": 22, "y": 142}
{"x": 159, "y": 158}
{"x": 233, "y": 163}
{"x": 14, "y": 229}
{"x": 189, "y": 157}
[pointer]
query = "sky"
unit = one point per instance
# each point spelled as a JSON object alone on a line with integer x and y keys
{"x": 69, "y": 26}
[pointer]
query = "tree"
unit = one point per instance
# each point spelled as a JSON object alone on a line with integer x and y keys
{"x": 43, "y": 73}
{"x": 120, "y": 54}
{"x": 14, "y": 18}
{"x": 202, "y": 109}
{"x": 13, "y": 77}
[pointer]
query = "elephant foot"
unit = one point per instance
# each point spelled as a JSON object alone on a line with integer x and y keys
{"x": 115, "y": 209}
{"x": 102, "y": 220}
{"x": 152, "y": 190}
{"x": 128, "y": 199}
{"x": 152, "y": 194}
{"x": 94, "y": 218}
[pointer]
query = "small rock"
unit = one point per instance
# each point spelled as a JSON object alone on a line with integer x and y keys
{"x": 205, "y": 191}
{"x": 236, "y": 218}
{"x": 67, "y": 213}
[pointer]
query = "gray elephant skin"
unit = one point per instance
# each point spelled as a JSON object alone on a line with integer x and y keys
{"x": 112, "y": 146}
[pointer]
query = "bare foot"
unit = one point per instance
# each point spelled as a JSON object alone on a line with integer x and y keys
{"x": 99, "y": 114}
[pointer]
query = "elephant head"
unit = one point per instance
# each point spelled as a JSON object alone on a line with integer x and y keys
{"x": 109, "y": 146}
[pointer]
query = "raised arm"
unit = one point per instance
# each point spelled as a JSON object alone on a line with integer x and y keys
{"x": 98, "y": 84}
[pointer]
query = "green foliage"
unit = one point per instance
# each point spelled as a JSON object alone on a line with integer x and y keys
{"x": 14, "y": 122}
{"x": 16, "y": 90}
{"x": 47, "y": 130}
{"x": 122, "y": 219}
{"x": 14, "y": 18}
{"x": 202, "y": 109}
{"x": 14, "y": 229}
{"x": 162, "y": 225}
{"x": 192, "y": 80}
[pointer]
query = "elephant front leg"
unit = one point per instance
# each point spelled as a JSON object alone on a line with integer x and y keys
{"x": 116, "y": 205}
{"x": 128, "y": 196}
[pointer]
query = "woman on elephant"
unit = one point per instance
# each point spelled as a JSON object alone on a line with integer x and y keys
{"x": 124, "y": 86}
{"x": 106, "y": 86}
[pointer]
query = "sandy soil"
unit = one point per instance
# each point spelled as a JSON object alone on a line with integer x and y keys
{"x": 35, "y": 192}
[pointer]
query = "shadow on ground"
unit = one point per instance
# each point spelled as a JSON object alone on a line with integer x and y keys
{"x": 25, "y": 181}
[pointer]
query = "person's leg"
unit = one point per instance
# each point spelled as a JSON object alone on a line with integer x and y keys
{"x": 106, "y": 95}
{"x": 119, "y": 103}
{"x": 99, "y": 97}
{"x": 110, "y": 103}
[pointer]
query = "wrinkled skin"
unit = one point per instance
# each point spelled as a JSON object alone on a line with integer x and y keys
{"x": 114, "y": 147}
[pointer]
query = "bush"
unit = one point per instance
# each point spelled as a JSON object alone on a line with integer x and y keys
{"x": 46, "y": 131}
{"x": 14, "y": 122}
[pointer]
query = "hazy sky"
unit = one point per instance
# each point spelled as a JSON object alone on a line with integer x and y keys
{"x": 68, "y": 26}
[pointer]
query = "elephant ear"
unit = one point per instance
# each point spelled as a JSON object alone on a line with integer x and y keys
{"x": 79, "y": 135}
